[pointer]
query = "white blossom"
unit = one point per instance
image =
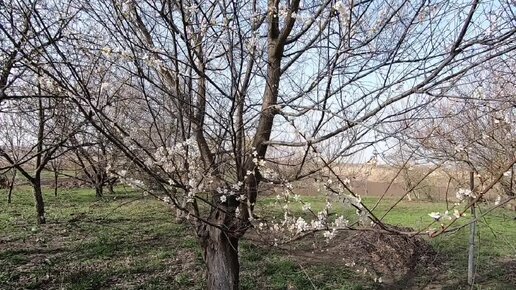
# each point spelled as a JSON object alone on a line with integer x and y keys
{"x": 134, "y": 183}
{"x": 341, "y": 8}
{"x": 354, "y": 200}
{"x": 341, "y": 222}
{"x": 301, "y": 225}
{"x": 435, "y": 215}
{"x": 498, "y": 200}
{"x": 190, "y": 197}
{"x": 446, "y": 215}
{"x": 462, "y": 194}
{"x": 306, "y": 206}
{"x": 107, "y": 51}
{"x": 329, "y": 234}
{"x": 236, "y": 186}
{"x": 317, "y": 225}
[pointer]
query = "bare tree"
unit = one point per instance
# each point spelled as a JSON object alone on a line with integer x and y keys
{"x": 25, "y": 93}
{"x": 56, "y": 166}
{"x": 35, "y": 152}
{"x": 7, "y": 181}
{"x": 94, "y": 157}
{"x": 471, "y": 126}
{"x": 471, "y": 130}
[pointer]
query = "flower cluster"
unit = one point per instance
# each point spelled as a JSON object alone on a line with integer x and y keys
{"x": 323, "y": 218}
{"x": 233, "y": 190}
{"x": 462, "y": 194}
{"x": 446, "y": 215}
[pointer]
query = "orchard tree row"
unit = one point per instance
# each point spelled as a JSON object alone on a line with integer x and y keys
{"x": 200, "y": 103}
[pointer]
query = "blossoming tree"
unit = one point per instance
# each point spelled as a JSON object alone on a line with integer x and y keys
{"x": 220, "y": 91}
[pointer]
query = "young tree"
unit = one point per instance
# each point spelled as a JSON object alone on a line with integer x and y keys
{"x": 27, "y": 98}
{"x": 8, "y": 181}
{"x": 34, "y": 147}
{"x": 56, "y": 167}
{"x": 93, "y": 159}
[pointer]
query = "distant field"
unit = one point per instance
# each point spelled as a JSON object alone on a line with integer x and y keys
{"x": 426, "y": 182}
{"x": 126, "y": 241}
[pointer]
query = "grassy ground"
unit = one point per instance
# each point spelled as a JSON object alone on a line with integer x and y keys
{"x": 126, "y": 241}
{"x": 496, "y": 262}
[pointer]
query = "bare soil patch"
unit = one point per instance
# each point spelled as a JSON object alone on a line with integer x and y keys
{"x": 396, "y": 259}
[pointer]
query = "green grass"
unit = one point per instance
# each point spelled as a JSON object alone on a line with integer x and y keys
{"x": 279, "y": 272}
{"x": 497, "y": 233}
{"x": 127, "y": 241}
{"x": 117, "y": 242}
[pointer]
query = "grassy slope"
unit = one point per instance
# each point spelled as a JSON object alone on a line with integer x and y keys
{"x": 129, "y": 242}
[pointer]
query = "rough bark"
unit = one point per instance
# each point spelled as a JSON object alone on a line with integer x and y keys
{"x": 99, "y": 190}
{"x": 56, "y": 176}
{"x": 219, "y": 240}
{"x": 40, "y": 204}
{"x": 221, "y": 257}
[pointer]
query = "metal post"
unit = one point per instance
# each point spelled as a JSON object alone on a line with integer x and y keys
{"x": 473, "y": 235}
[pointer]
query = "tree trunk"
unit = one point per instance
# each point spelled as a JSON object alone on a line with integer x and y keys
{"x": 111, "y": 188}
{"x": 221, "y": 257}
{"x": 180, "y": 215}
{"x": 40, "y": 161}
{"x": 99, "y": 190}
{"x": 40, "y": 205}
{"x": 11, "y": 187}
{"x": 55, "y": 182}
{"x": 9, "y": 196}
